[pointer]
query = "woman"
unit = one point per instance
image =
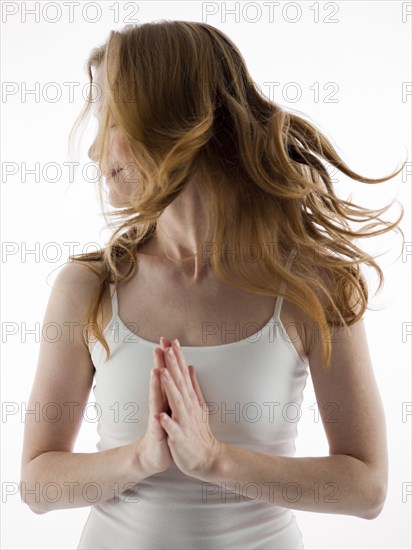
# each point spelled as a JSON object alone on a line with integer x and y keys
{"x": 227, "y": 219}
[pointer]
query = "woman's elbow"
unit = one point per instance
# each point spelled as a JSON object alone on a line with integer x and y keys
{"x": 378, "y": 504}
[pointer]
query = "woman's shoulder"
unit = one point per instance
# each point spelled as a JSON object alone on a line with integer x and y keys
{"x": 76, "y": 272}
{"x": 79, "y": 280}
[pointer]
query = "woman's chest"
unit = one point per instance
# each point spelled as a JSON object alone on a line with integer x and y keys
{"x": 198, "y": 315}
{"x": 253, "y": 391}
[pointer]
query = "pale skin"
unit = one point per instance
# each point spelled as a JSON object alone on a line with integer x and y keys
{"x": 185, "y": 438}
{"x": 357, "y": 464}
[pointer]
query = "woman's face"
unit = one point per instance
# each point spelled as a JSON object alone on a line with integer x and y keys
{"x": 120, "y": 176}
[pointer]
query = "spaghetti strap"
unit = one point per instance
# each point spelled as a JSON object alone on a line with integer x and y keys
{"x": 113, "y": 294}
{"x": 279, "y": 299}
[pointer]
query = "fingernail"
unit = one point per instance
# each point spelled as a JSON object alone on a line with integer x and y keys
{"x": 176, "y": 341}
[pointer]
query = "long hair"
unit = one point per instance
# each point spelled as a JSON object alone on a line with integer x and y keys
{"x": 185, "y": 103}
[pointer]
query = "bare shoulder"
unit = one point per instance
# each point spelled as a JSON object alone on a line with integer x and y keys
{"x": 74, "y": 286}
{"x": 80, "y": 276}
{"x": 306, "y": 322}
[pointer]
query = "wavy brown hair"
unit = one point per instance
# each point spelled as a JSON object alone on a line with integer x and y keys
{"x": 184, "y": 101}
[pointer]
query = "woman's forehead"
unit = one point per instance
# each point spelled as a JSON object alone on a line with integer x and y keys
{"x": 98, "y": 92}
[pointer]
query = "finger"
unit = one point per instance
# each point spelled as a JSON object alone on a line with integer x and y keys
{"x": 174, "y": 396}
{"x": 179, "y": 356}
{"x": 156, "y": 398}
{"x": 154, "y": 412}
{"x": 164, "y": 342}
{"x": 176, "y": 373}
{"x": 196, "y": 385}
{"x": 157, "y": 429}
{"x": 170, "y": 426}
{"x": 182, "y": 363}
{"x": 159, "y": 364}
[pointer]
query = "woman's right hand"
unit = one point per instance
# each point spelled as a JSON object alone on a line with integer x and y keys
{"x": 153, "y": 450}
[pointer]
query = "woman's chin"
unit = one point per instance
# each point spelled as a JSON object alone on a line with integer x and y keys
{"x": 116, "y": 201}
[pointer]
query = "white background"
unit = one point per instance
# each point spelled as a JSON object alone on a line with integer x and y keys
{"x": 366, "y": 53}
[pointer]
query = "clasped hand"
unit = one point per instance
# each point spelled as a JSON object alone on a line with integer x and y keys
{"x": 193, "y": 446}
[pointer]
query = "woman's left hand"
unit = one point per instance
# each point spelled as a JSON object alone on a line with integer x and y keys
{"x": 194, "y": 448}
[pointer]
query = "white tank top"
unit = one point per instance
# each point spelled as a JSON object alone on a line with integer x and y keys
{"x": 254, "y": 390}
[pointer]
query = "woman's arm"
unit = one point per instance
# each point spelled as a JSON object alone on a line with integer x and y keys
{"x": 52, "y": 476}
{"x": 339, "y": 484}
{"x": 353, "y": 479}
{"x": 57, "y": 480}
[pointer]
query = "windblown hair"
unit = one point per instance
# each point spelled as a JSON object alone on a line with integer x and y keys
{"x": 185, "y": 103}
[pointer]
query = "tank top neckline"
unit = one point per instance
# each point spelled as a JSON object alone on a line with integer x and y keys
{"x": 247, "y": 340}
{"x": 253, "y": 338}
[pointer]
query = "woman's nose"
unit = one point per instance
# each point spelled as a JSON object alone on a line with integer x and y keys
{"x": 91, "y": 152}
